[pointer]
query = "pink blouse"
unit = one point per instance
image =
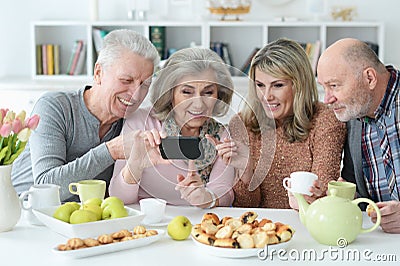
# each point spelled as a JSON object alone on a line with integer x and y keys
{"x": 160, "y": 180}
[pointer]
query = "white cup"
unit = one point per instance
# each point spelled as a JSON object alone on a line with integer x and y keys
{"x": 39, "y": 196}
{"x": 154, "y": 210}
{"x": 300, "y": 182}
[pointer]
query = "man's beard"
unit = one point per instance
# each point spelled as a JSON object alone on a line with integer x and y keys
{"x": 359, "y": 106}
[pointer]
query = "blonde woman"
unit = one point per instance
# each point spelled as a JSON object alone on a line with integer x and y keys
{"x": 282, "y": 128}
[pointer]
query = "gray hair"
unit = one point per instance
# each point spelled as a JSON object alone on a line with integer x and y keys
{"x": 185, "y": 62}
{"x": 118, "y": 40}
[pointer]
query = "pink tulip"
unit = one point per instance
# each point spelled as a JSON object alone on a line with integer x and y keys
{"x": 32, "y": 122}
{"x": 17, "y": 125}
{"x": 5, "y": 129}
{"x": 3, "y": 113}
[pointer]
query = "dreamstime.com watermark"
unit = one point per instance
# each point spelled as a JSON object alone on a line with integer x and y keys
{"x": 339, "y": 253}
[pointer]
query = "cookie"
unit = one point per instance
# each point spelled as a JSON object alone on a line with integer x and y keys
{"x": 151, "y": 233}
{"x": 199, "y": 235}
{"x": 121, "y": 234}
{"x": 63, "y": 247}
{"x": 234, "y": 223}
{"x": 91, "y": 242}
{"x": 75, "y": 243}
{"x": 139, "y": 229}
{"x": 209, "y": 227}
{"x": 248, "y": 217}
{"x": 245, "y": 241}
{"x": 284, "y": 232}
{"x": 212, "y": 217}
{"x": 224, "y": 232}
{"x": 260, "y": 239}
{"x": 105, "y": 239}
{"x": 226, "y": 243}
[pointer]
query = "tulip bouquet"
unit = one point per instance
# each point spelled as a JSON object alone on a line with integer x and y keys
{"x": 14, "y": 132}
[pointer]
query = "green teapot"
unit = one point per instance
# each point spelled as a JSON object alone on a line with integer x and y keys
{"x": 333, "y": 220}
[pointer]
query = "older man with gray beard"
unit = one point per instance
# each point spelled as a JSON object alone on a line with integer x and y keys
{"x": 363, "y": 92}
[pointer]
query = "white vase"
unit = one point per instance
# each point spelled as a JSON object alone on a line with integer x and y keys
{"x": 10, "y": 208}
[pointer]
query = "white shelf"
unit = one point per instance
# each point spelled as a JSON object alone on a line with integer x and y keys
{"x": 242, "y": 36}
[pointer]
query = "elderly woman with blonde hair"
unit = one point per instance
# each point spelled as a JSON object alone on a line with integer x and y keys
{"x": 192, "y": 88}
{"x": 281, "y": 129}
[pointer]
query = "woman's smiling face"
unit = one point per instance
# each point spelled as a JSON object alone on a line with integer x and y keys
{"x": 193, "y": 101}
{"x": 276, "y": 95}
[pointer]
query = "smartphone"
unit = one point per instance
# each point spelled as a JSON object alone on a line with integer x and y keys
{"x": 181, "y": 148}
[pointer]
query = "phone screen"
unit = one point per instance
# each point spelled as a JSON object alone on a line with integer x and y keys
{"x": 181, "y": 148}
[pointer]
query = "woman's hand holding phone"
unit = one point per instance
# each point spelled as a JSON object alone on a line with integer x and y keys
{"x": 144, "y": 153}
{"x": 232, "y": 152}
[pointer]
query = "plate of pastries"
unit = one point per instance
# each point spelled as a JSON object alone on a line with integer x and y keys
{"x": 238, "y": 237}
{"x": 76, "y": 247}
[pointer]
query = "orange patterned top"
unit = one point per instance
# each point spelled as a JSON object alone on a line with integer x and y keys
{"x": 320, "y": 153}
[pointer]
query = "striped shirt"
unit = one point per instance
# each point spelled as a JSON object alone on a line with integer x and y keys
{"x": 381, "y": 144}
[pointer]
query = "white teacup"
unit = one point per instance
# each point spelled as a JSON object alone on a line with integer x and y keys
{"x": 154, "y": 210}
{"x": 39, "y": 196}
{"x": 300, "y": 182}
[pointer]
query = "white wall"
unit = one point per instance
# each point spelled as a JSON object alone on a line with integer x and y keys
{"x": 16, "y": 15}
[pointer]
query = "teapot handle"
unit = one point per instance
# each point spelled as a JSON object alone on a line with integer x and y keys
{"x": 378, "y": 214}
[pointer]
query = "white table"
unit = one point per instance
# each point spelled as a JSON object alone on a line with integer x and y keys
{"x": 31, "y": 245}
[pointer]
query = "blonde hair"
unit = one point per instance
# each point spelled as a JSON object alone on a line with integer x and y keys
{"x": 190, "y": 61}
{"x": 284, "y": 59}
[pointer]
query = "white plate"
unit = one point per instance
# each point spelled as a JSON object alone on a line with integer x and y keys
{"x": 114, "y": 247}
{"x": 234, "y": 252}
{"x": 45, "y": 215}
{"x": 165, "y": 221}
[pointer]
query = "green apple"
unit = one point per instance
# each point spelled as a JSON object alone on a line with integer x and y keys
{"x": 74, "y": 204}
{"x": 93, "y": 207}
{"x": 82, "y": 216}
{"x": 179, "y": 228}
{"x": 96, "y": 201}
{"x": 112, "y": 201}
{"x": 113, "y": 211}
{"x": 63, "y": 212}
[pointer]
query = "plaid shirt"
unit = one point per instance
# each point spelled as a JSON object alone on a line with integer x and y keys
{"x": 380, "y": 144}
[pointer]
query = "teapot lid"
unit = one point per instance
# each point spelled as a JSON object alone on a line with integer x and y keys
{"x": 333, "y": 197}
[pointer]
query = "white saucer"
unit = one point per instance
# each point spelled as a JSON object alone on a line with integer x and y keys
{"x": 165, "y": 221}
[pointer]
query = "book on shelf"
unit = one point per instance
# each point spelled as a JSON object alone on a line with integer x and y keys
{"x": 81, "y": 61}
{"x": 157, "y": 37}
{"x": 246, "y": 65}
{"x": 56, "y": 57}
{"x": 226, "y": 54}
{"x": 47, "y": 59}
{"x": 75, "y": 53}
{"x": 98, "y": 37}
{"x": 44, "y": 59}
{"x": 313, "y": 50}
{"x": 222, "y": 49}
{"x": 39, "y": 59}
{"x": 50, "y": 59}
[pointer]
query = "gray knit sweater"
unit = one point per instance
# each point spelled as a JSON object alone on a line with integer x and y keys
{"x": 66, "y": 146}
